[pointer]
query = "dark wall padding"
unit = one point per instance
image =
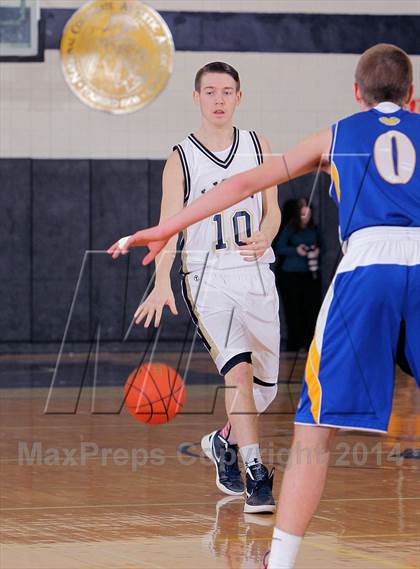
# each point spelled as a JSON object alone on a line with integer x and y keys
{"x": 60, "y": 217}
{"x": 120, "y": 204}
{"x": 274, "y": 32}
{"x": 57, "y": 217}
{"x": 15, "y": 250}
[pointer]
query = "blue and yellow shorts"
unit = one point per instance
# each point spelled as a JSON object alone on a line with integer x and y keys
{"x": 349, "y": 374}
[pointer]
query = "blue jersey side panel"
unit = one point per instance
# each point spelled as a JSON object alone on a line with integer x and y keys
{"x": 375, "y": 170}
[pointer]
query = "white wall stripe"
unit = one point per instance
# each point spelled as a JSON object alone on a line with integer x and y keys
{"x": 286, "y": 97}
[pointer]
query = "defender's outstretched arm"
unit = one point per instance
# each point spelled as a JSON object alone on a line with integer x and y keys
{"x": 303, "y": 158}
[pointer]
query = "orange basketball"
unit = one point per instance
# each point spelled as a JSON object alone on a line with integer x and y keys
{"x": 154, "y": 393}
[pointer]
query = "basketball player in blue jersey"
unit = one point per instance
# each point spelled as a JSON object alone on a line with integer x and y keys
{"x": 227, "y": 282}
{"x": 374, "y": 161}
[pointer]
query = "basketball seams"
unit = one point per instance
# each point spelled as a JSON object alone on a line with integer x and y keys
{"x": 158, "y": 396}
{"x": 171, "y": 389}
{"x": 175, "y": 392}
{"x": 179, "y": 403}
{"x": 170, "y": 395}
{"x": 158, "y": 391}
{"x": 137, "y": 407}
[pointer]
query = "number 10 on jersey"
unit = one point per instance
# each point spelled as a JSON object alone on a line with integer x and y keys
{"x": 232, "y": 228}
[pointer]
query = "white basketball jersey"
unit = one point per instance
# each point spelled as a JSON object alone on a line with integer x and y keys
{"x": 214, "y": 241}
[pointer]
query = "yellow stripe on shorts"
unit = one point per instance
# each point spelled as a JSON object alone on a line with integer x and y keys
{"x": 312, "y": 381}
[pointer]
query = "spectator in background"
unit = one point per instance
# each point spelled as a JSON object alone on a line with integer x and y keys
{"x": 298, "y": 247}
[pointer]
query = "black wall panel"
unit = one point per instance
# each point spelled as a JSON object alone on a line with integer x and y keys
{"x": 61, "y": 212}
{"x": 120, "y": 206}
{"x": 56, "y": 213}
{"x": 15, "y": 250}
{"x": 270, "y": 32}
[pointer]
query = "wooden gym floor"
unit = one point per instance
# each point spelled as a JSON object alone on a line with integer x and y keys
{"x": 94, "y": 490}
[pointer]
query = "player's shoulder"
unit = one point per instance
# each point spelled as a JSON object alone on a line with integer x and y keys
{"x": 372, "y": 120}
{"x": 251, "y": 132}
{"x": 183, "y": 151}
{"x": 257, "y": 138}
{"x": 182, "y": 144}
{"x": 414, "y": 118}
{"x": 354, "y": 118}
{"x": 175, "y": 158}
{"x": 263, "y": 140}
{"x": 178, "y": 155}
{"x": 373, "y": 114}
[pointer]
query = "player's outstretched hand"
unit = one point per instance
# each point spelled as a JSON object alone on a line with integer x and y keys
{"x": 120, "y": 247}
{"x": 255, "y": 247}
{"x": 151, "y": 238}
{"x": 154, "y": 304}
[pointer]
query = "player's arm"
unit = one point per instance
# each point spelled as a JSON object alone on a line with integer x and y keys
{"x": 261, "y": 240}
{"x": 172, "y": 202}
{"x": 306, "y": 157}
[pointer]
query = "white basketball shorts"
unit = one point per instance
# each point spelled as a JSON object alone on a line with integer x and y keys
{"x": 237, "y": 314}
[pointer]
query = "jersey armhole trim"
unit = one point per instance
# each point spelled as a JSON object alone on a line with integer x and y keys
{"x": 187, "y": 178}
{"x": 257, "y": 146}
{"x": 334, "y": 129}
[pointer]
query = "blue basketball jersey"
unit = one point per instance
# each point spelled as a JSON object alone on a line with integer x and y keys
{"x": 375, "y": 172}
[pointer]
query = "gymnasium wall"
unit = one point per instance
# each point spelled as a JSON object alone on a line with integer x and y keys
{"x": 73, "y": 179}
{"x": 286, "y": 94}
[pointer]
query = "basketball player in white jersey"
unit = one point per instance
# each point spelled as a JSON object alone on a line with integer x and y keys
{"x": 227, "y": 282}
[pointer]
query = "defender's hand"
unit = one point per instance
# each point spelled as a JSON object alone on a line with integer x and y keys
{"x": 120, "y": 247}
{"x": 151, "y": 238}
{"x": 154, "y": 304}
{"x": 255, "y": 247}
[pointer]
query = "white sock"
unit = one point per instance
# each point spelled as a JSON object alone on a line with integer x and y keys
{"x": 284, "y": 550}
{"x": 251, "y": 454}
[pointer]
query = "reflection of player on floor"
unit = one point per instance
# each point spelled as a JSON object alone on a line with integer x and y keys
{"x": 349, "y": 375}
{"x": 239, "y": 541}
{"x": 231, "y": 296}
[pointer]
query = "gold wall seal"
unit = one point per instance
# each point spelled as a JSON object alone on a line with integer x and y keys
{"x": 116, "y": 55}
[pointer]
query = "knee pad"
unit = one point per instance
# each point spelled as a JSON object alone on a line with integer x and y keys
{"x": 264, "y": 395}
